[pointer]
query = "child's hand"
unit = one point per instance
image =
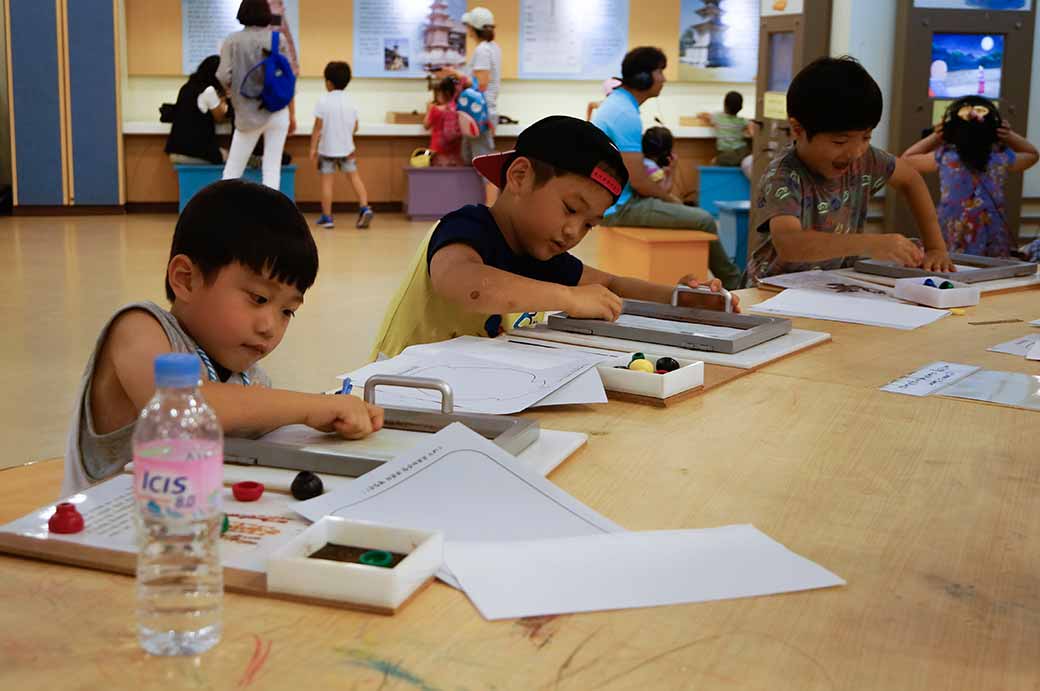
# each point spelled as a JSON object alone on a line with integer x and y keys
{"x": 593, "y": 302}
{"x": 937, "y": 260}
{"x": 706, "y": 301}
{"x": 1004, "y": 131}
{"x": 897, "y": 248}
{"x": 314, "y": 154}
{"x": 349, "y": 416}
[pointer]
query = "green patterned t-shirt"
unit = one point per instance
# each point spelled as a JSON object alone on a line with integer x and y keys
{"x": 789, "y": 188}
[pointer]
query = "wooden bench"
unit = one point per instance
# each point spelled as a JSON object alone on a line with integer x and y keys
{"x": 659, "y": 255}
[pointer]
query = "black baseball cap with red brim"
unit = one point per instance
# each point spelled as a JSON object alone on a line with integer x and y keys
{"x": 567, "y": 143}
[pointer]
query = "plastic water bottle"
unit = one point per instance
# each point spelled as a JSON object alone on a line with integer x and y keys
{"x": 178, "y": 480}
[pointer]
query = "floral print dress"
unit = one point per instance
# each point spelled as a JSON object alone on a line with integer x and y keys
{"x": 971, "y": 210}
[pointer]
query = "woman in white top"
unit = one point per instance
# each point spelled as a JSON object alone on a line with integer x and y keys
{"x": 242, "y": 51}
{"x": 484, "y": 69}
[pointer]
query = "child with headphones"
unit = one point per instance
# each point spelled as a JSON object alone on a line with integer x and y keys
{"x": 973, "y": 150}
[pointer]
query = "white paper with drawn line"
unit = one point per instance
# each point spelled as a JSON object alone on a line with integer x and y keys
{"x": 466, "y": 486}
{"x": 814, "y": 304}
{"x": 486, "y": 375}
{"x": 506, "y": 580}
{"x": 830, "y": 282}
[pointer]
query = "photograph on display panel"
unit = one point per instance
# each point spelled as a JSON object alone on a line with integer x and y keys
{"x": 966, "y": 64}
{"x": 718, "y": 40}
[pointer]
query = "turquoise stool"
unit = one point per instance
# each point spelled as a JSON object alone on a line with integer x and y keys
{"x": 733, "y": 230}
{"x": 192, "y": 178}
{"x": 721, "y": 184}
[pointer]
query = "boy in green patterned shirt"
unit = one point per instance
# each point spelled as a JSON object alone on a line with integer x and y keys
{"x": 731, "y": 131}
{"x": 812, "y": 200}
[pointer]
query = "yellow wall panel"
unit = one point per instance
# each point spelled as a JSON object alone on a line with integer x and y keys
{"x": 153, "y": 37}
{"x": 656, "y": 23}
{"x": 326, "y": 33}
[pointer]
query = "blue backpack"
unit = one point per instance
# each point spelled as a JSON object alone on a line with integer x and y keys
{"x": 473, "y": 113}
{"x": 279, "y": 80}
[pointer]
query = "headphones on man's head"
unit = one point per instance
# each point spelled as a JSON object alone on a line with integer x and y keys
{"x": 640, "y": 81}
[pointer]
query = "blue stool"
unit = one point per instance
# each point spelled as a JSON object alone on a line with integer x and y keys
{"x": 733, "y": 230}
{"x": 192, "y": 178}
{"x": 721, "y": 184}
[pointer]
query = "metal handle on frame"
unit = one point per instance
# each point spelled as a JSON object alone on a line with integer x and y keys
{"x": 702, "y": 289}
{"x": 447, "y": 397}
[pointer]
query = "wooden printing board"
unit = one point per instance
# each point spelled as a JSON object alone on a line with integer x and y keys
{"x": 28, "y": 536}
{"x": 1004, "y": 285}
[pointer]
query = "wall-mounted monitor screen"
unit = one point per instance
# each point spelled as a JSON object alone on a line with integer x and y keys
{"x": 966, "y": 64}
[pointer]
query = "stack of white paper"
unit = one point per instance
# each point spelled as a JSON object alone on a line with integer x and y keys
{"x": 815, "y": 304}
{"x": 1028, "y": 347}
{"x": 830, "y": 282}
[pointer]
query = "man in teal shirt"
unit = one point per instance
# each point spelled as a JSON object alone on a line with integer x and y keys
{"x": 643, "y": 203}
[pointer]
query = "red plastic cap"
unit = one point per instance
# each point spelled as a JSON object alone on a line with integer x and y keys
{"x": 247, "y": 491}
{"x": 66, "y": 520}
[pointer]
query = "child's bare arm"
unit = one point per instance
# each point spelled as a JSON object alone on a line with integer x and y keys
{"x": 638, "y": 289}
{"x": 1026, "y": 154}
{"x": 315, "y": 138}
{"x": 136, "y": 339}
{"x": 255, "y": 410}
{"x": 794, "y": 243}
{"x": 459, "y": 274}
{"x": 908, "y": 182}
{"x": 921, "y": 155}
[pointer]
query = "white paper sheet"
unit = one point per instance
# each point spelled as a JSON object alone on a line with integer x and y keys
{"x": 1035, "y": 322}
{"x": 584, "y": 389}
{"x": 631, "y": 569}
{"x": 1006, "y": 388}
{"x": 466, "y": 486}
{"x": 930, "y": 379}
{"x": 855, "y": 310}
{"x": 1019, "y": 346}
{"x": 677, "y": 327}
{"x": 1034, "y": 352}
{"x": 486, "y": 376}
{"x": 256, "y": 528}
{"x": 830, "y": 282}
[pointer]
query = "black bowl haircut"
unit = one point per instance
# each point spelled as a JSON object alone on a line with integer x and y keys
{"x": 834, "y": 95}
{"x": 238, "y": 221}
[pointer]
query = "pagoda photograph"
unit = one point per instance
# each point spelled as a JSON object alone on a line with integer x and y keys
{"x": 444, "y": 39}
{"x": 719, "y": 40}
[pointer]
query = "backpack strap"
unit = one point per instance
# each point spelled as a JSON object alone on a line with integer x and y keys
{"x": 274, "y": 43}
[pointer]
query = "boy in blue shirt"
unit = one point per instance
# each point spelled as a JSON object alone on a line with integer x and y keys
{"x": 481, "y": 267}
{"x": 812, "y": 200}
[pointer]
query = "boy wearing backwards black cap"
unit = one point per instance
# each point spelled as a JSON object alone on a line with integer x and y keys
{"x": 812, "y": 200}
{"x": 481, "y": 266}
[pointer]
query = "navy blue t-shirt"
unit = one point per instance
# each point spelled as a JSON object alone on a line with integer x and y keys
{"x": 474, "y": 225}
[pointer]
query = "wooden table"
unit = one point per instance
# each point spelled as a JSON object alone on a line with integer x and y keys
{"x": 930, "y": 508}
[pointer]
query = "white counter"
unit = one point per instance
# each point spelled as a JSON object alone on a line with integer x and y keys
{"x": 382, "y": 129}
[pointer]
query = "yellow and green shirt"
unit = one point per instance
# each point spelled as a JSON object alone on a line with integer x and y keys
{"x": 417, "y": 314}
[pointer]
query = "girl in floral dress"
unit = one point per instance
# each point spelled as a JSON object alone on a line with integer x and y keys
{"x": 973, "y": 150}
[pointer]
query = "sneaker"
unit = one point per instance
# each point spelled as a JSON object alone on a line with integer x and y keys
{"x": 326, "y": 221}
{"x": 364, "y": 218}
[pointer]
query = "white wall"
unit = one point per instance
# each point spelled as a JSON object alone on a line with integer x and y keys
{"x": 1031, "y": 184}
{"x": 523, "y": 100}
{"x": 866, "y": 30}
